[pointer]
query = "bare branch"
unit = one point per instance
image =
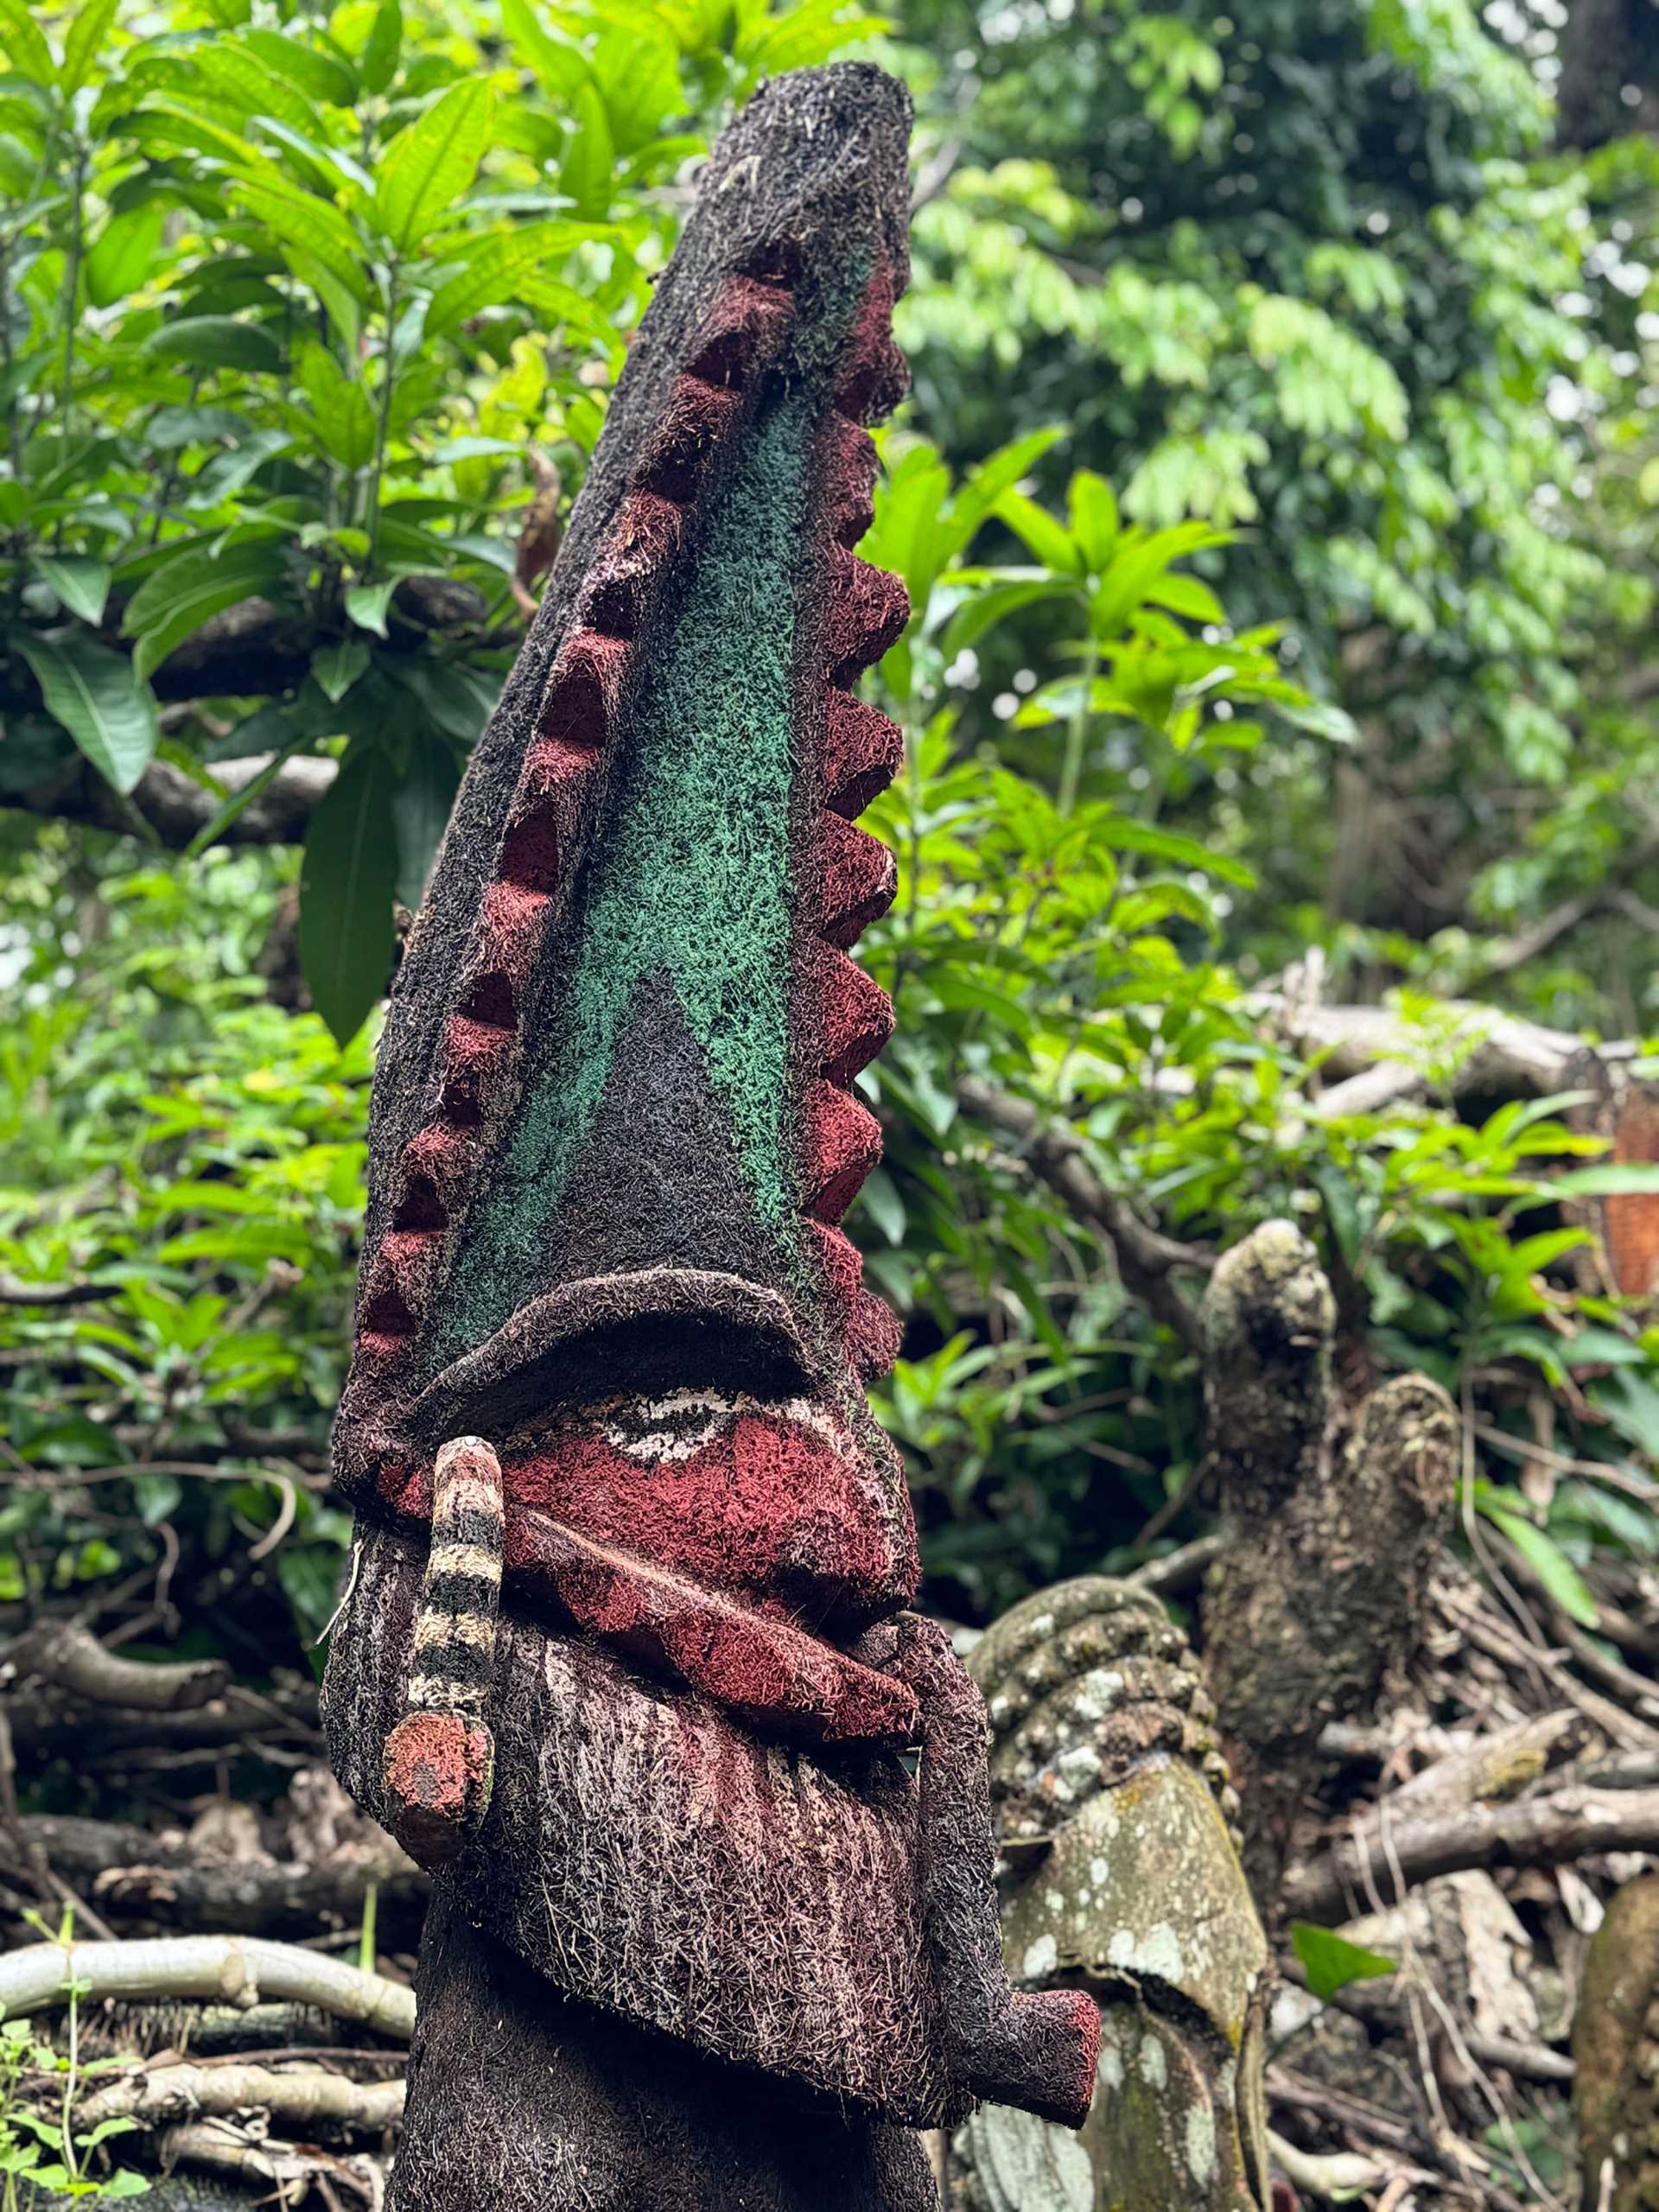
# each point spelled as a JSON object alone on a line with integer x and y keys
{"x": 177, "y": 808}
{"x": 1375, "y": 1056}
{"x": 310, "y": 2096}
{"x": 133, "y": 1875}
{"x": 13, "y": 1293}
{"x": 1145, "y": 1258}
{"x": 1544, "y": 1831}
{"x": 238, "y": 1970}
{"x": 1178, "y": 1572}
{"x": 72, "y": 1657}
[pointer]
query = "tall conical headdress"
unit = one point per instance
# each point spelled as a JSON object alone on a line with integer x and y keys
{"x": 627, "y": 1655}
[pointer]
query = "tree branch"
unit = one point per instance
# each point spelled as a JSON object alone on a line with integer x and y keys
{"x": 1544, "y": 1831}
{"x": 14, "y": 1292}
{"x": 178, "y": 808}
{"x": 1375, "y": 1057}
{"x": 72, "y": 1657}
{"x": 311, "y": 2096}
{"x": 238, "y": 1970}
{"x": 1145, "y": 1258}
{"x": 132, "y": 1875}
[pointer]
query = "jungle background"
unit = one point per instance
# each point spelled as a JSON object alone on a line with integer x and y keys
{"x": 1278, "y": 840}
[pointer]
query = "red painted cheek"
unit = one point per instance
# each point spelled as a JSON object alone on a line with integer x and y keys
{"x": 764, "y": 1500}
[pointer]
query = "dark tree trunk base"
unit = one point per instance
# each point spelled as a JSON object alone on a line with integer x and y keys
{"x": 529, "y": 2102}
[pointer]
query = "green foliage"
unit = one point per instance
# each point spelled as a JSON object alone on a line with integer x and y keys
{"x": 1308, "y": 274}
{"x": 272, "y": 289}
{"x": 41, "y": 2149}
{"x": 171, "y": 1136}
{"x": 287, "y": 298}
{"x": 1065, "y": 946}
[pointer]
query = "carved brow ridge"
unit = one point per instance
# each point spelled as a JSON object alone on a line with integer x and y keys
{"x": 619, "y": 1331}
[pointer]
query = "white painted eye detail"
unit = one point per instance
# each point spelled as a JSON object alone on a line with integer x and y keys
{"x": 672, "y": 1426}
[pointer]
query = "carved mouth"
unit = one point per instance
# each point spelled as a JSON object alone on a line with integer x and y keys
{"x": 685, "y": 1336}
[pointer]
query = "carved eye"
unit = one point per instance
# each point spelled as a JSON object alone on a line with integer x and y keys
{"x": 672, "y": 1426}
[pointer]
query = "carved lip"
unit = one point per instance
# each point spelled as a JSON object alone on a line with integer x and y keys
{"x": 651, "y": 1328}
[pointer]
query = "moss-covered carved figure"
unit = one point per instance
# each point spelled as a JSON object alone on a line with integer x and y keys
{"x": 1121, "y": 1875}
{"x": 626, "y": 1658}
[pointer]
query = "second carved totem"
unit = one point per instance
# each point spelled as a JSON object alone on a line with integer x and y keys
{"x": 626, "y": 1657}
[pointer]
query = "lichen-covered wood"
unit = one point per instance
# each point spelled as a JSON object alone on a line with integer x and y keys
{"x": 1331, "y": 1517}
{"x": 625, "y": 1657}
{"x": 1615, "y": 2055}
{"x": 1121, "y": 1875}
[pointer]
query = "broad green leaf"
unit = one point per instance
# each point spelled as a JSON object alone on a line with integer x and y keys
{"x": 1556, "y": 1572}
{"x": 337, "y": 667}
{"x": 589, "y": 163}
{"x": 366, "y": 604}
{"x": 1188, "y": 596}
{"x": 1342, "y": 1210}
{"x": 456, "y": 700}
{"x": 638, "y": 77}
{"x": 176, "y": 599}
{"x": 82, "y": 585}
{"x": 346, "y": 882}
{"x": 386, "y": 42}
{"x": 993, "y": 604}
{"x": 339, "y": 303}
{"x": 977, "y": 495}
{"x": 85, "y": 34}
{"x": 806, "y": 34}
{"x": 1124, "y": 836}
{"x": 101, "y": 701}
{"x": 562, "y": 67}
{"x": 1323, "y": 717}
{"x": 320, "y": 76}
{"x": 881, "y": 1200}
{"x": 247, "y": 86}
{"x": 1049, "y": 541}
{"x": 226, "y": 473}
{"x": 1628, "y": 1179}
{"x": 1094, "y": 517}
{"x": 123, "y": 253}
{"x": 345, "y": 415}
{"x": 307, "y": 224}
{"x": 124, "y": 2182}
{"x": 25, "y": 43}
{"x": 217, "y": 341}
{"x": 1127, "y": 583}
{"x": 420, "y": 812}
{"x": 1331, "y": 1962}
{"x": 427, "y": 166}
{"x": 213, "y": 831}
{"x": 493, "y": 265}
{"x": 175, "y": 428}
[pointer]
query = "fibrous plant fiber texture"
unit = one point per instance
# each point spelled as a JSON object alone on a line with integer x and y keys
{"x": 750, "y": 1898}
{"x": 624, "y": 1030}
{"x": 565, "y": 2110}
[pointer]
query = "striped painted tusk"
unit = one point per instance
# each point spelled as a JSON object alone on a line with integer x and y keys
{"x": 440, "y": 1757}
